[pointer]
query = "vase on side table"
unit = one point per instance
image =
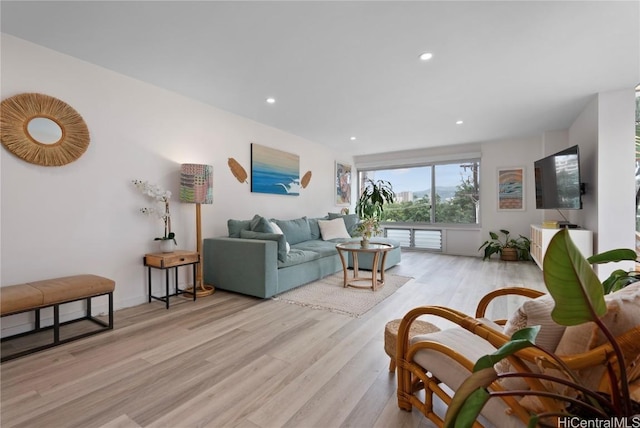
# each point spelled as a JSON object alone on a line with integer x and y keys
{"x": 167, "y": 246}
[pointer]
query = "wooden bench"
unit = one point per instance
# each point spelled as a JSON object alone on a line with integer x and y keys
{"x": 34, "y": 296}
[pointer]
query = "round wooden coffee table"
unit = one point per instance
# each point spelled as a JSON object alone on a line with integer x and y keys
{"x": 355, "y": 248}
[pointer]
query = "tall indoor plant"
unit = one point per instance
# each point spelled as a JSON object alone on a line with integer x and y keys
{"x": 370, "y": 206}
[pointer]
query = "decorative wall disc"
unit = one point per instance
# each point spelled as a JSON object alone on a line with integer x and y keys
{"x": 42, "y": 130}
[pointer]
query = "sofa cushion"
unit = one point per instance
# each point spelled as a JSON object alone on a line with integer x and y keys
{"x": 296, "y": 230}
{"x": 333, "y": 229}
{"x": 235, "y": 226}
{"x": 315, "y": 229}
{"x": 261, "y": 224}
{"x": 350, "y": 221}
{"x": 531, "y": 313}
{"x": 276, "y": 229}
{"x": 297, "y": 256}
{"x": 279, "y": 238}
{"x": 322, "y": 248}
{"x": 537, "y": 312}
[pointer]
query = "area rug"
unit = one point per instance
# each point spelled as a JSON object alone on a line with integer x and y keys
{"x": 328, "y": 294}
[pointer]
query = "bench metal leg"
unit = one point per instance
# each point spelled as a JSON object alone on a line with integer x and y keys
{"x": 56, "y": 324}
{"x": 56, "y": 328}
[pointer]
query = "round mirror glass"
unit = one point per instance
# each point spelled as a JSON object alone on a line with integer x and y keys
{"x": 44, "y": 130}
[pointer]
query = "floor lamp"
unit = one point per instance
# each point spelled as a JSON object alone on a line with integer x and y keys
{"x": 196, "y": 187}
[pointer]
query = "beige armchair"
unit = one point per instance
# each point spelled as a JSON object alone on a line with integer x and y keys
{"x": 435, "y": 364}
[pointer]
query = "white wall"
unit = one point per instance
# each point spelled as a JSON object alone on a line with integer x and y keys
{"x": 616, "y": 175}
{"x": 584, "y": 133}
{"x": 83, "y": 217}
{"x": 504, "y": 154}
{"x": 616, "y": 171}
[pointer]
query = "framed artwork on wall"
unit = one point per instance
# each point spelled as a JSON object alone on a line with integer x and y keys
{"x": 274, "y": 171}
{"x": 343, "y": 184}
{"x": 511, "y": 189}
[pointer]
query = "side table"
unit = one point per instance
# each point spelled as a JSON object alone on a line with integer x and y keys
{"x": 167, "y": 261}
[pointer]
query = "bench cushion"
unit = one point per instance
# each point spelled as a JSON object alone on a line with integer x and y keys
{"x": 18, "y": 298}
{"x": 22, "y": 297}
{"x": 73, "y": 288}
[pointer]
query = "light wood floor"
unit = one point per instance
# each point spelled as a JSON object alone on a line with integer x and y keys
{"x": 233, "y": 361}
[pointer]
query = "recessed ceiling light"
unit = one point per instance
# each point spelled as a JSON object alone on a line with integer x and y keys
{"x": 271, "y": 100}
{"x": 459, "y": 122}
{"x": 353, "y": 138}
{"x": 426, "y": 56}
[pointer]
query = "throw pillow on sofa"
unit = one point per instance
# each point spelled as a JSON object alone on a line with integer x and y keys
{"x": 277, "y": 230}
{"x": 295, "y": 231}
{"x": 350, "y": 221}
{"x": 315, "y": 229}
{"x": 279, "y": 238}
{"x": 530, "y": 313}
{"x": 333, "y": 229}
{"x": 235, "y": 226}
{"x": 261, "y": 224}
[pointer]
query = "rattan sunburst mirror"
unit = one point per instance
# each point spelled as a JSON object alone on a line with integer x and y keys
{"x": 42, "y": 130}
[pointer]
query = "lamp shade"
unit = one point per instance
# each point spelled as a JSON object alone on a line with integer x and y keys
{"x": 196, "y": 183}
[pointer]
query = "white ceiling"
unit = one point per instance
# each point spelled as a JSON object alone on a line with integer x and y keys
{"x": 339, "y": 69}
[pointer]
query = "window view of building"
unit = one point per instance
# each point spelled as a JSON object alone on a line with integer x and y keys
{"x": 443, "y": 193}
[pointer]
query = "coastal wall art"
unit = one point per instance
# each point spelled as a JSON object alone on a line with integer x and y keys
{"x": 511, "y": 189}
{"x": 274, "y": 171}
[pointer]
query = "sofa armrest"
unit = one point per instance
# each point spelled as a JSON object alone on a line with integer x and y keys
{"x": 247, "y": 266}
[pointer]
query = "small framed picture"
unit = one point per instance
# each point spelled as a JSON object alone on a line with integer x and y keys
{"x": 343, "y": 184}
{"x": 511, "y": 189}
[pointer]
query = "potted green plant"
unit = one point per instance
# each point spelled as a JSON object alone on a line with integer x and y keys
{"x": 576, "y": 289}
{"x": 367, "y": 228}
{"x": 370, "y": 206}
{"x": 510, "y": 249}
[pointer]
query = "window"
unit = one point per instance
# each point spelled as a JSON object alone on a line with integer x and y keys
{"x": 445, "y": 192}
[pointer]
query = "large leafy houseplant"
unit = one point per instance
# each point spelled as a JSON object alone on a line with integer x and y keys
{"x": 370, "y": 205}
{"x": 576, "y": 289}
{"x": 499, "y": 243}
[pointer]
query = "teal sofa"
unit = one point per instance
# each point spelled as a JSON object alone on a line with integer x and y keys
{"x": 253, "y": 260}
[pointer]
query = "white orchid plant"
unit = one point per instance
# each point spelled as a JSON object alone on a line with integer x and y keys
{"x": 162, "y": 197}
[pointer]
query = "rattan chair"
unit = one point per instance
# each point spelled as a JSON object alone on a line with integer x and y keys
{"x": 436, "y": 364}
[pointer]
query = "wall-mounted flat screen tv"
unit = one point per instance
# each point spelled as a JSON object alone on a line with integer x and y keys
{"x": 558, "y": 180}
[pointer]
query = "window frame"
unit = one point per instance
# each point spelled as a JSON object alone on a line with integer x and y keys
{"x": 432, "y": 194}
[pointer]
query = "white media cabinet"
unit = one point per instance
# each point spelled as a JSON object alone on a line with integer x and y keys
{"x": 540, "y": 238}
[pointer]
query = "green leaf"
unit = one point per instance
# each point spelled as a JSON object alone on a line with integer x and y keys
{"x": 533, "y": 421}
{"x": 575, "y": 288}
{"x": 521, "y": 339}
{"x": 613, "y": 256}
{"x": 469, "y": 399}
{"x": 615, "y": 281}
